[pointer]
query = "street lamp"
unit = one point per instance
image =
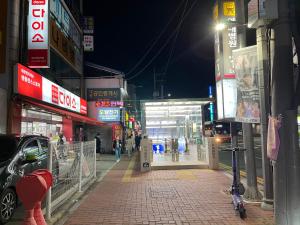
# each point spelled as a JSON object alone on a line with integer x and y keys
{"x": 220, "y": 26}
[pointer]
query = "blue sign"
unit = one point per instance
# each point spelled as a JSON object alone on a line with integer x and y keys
{"x": 210, "y": 93}
{"x": 108, "y": 114}
{"x": 158, "y": 148}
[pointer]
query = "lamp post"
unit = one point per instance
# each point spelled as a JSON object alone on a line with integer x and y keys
{"x": 238, "y": 11}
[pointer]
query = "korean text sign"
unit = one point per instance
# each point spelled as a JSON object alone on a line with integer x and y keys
{"x": 32, "y": 84}
{"x": 38, "y": 31}
{"x": 108, "y": 114}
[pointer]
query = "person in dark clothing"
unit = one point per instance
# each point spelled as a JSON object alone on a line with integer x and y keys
{"x": 98, "y": 143}
{"x": 137, "y": 142}
{"x": 117, "y": 145}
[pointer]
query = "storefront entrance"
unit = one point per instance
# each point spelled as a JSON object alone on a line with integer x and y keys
{"x": 40, "y": 122}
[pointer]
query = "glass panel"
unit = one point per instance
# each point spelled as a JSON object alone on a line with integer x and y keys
{"x": 32, "y": 148}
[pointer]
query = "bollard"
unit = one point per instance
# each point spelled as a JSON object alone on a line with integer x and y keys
{"x": 38, "y": 214}
{"x": 31, "y": 189}
{"x": 173, "y": 156}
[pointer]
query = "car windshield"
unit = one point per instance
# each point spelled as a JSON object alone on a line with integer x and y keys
{"x": 8, "y": 147}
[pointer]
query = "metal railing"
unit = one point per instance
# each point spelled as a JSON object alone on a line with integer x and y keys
{"x": 73, "y": 167}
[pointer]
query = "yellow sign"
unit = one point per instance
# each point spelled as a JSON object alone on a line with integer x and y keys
{"x": 215, "y": 12}
{"x": 229, "y": 9}
{"x": 126, "y": 117}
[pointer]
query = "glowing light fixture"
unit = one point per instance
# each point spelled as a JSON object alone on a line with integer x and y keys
{"x": 220, "y": 26}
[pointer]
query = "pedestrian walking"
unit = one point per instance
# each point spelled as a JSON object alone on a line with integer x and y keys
{"x": 138, "y": 142}
{"x": 61, "y": 146}
{"x": 129, "y": 145}
{"x": 98, "y": 143}
{"x": 117, "y": 145}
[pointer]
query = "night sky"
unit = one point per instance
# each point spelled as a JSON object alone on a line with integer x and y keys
{"x": 124, "y": 31}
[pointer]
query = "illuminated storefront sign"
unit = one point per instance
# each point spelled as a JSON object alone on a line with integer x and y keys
{"x": 32, "y": 84}
{"x": 109, "y": 104}
{"x": 88, "y": 43}
{"x": 99, "y": 94}
{"x": 225, "y": 42}
{"x": 38, "y": 42}
{"x": 108, "y": 114}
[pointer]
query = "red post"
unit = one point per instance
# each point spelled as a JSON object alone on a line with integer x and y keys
{"x": 31, "y": 190}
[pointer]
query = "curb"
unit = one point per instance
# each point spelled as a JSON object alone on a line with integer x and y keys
{"x": 243, "y": 174}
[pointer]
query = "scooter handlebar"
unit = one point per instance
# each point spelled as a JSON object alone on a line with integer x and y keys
{"x": 233, "y": 149}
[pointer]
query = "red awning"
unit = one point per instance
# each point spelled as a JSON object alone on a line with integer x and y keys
{"x": 67, "y": 114}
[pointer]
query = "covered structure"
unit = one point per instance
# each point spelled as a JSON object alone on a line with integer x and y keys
{"x": 174, "y": 120}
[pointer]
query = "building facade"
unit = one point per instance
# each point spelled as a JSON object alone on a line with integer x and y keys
{"x": 39, "y": 99}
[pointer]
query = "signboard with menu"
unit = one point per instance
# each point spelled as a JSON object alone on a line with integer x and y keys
{"x": 33, "y": 85}
{"x": 38, "y": 32}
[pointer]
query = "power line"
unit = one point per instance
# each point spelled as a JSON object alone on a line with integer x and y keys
{"x": 156, "y": 40}
{"x": 175, "y": 39}
{"x": 162, "y": 48}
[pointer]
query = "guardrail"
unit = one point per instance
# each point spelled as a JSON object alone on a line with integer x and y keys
{"x": 73, "y": 167}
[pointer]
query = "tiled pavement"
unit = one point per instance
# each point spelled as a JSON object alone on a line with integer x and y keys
{"x": 185, "y": 197}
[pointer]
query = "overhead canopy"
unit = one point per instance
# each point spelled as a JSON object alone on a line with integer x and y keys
{"x": 67, "y": 114}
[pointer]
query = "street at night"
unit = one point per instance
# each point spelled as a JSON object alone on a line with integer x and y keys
{"x": 149, "y": 112}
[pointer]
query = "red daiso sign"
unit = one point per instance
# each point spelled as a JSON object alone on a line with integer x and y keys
{"x": 32, "y": 84}
{"x": 38, "y": 30}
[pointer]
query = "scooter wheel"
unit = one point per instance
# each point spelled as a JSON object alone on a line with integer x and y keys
{"x": 242, "y": 212}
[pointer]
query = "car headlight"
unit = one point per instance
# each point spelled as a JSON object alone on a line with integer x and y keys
{"x": 218, "y": 140}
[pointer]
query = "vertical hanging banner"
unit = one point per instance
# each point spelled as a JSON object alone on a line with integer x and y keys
{"x": 88, "y": 31}
{"x": 38, "y": 32}
{"x": 246, "y": 68}
{"x": 225, "y": 42}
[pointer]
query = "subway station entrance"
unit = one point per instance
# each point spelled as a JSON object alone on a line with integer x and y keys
{"x": 176, "y": 129}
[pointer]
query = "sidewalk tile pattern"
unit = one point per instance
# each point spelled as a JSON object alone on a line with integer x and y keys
{"x": 183, "y": 197}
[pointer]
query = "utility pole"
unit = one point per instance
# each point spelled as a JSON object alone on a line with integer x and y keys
{"x": 154, "y": 84}
{"x": 251, "y": 192}
{"x": 162, "y": 89}
{"x": 264, "y": 93}
{"x": 287, "y": 166}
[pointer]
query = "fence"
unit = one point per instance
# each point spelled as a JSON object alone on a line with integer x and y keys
{"x": 73, "y": 167}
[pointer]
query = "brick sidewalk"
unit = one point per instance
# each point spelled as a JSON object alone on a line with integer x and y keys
{"x": 163, "y": 197}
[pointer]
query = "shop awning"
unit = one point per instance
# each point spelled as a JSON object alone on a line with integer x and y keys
{"x": 67, "y": 114}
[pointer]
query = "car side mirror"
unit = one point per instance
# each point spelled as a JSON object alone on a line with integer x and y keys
{"x": 28, "y": 158}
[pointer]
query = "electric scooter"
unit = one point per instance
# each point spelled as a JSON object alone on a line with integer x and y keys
{"x": 237, "y": 189}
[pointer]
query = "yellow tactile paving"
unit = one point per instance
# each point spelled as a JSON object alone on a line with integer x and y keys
{"x": 185, "y": 175}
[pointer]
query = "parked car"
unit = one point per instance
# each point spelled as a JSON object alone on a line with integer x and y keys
{"x": 18, "y": 157}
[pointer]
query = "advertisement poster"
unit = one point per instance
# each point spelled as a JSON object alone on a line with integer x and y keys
{"x": 246, "y": 68}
